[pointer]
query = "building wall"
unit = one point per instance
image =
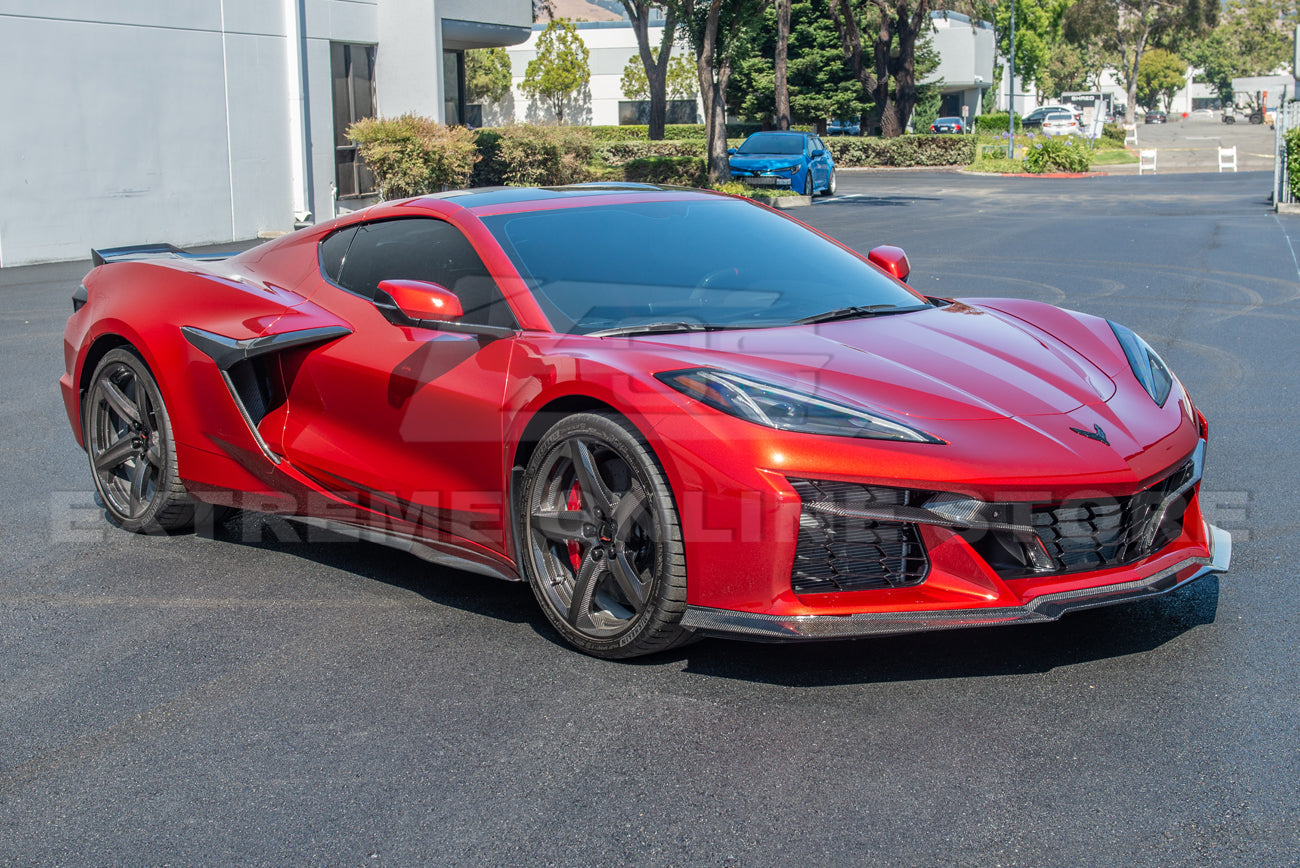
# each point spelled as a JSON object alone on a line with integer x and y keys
{"x": 198, "y": 121}
{"x": 966, "y": 50}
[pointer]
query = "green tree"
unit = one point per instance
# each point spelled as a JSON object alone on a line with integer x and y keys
{"x": 1127, "y": 28}
{"x": 1161, "y": 74}
{"x": 1253, "y": 38}
{"x": 820, "y": 83}
{"x": 681, "y": 83}
{"x": 1038, "y": 34}
{"x": 560, "y": 69}
{"x": 716, "y": 29}
{"x": 487, "y": 74}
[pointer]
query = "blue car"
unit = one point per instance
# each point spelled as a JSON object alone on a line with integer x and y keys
{"x": 799, "y": 161}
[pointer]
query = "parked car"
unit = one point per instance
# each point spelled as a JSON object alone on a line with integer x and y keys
{"x": 671, "y": 412}
{"x": 843, "y": 127}
{"x": 948, "y": 125}
{"x": 799, "y": 161}
{"x": 1034, "y": 119}
{"x": 1155, "y": 116}
{"x": 1060, "y": 124}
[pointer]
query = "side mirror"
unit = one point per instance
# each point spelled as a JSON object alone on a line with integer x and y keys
{"x": 819, "y": 153}
{"x": 422, "y": 300}
{"x": 892, "y": 259}
{"x": 731, "y": 150}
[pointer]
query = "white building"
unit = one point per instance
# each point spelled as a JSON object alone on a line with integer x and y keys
{"x": 207, "y": 121}
{"x": 966, "y": 49}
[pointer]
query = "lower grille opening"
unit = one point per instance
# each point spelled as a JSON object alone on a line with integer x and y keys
{"x": 838, "y": 552}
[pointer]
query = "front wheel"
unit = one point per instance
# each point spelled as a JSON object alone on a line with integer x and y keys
{"x": 132, "y": 452}
{"x": 602, "y": 540}
{"x": 808, "y": 182}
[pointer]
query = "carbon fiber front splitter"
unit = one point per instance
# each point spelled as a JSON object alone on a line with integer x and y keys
{"x": 1049, "y": 607}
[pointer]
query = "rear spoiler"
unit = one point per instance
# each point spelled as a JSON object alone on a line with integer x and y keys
{"x": 151, "y": 251}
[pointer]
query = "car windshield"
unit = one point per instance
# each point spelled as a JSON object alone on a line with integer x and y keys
{"x": 948, "y": 121}
{"x": 761, "y": 143}
{"x": 717, "y": 262}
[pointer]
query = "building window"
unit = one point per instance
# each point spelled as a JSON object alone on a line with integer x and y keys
{"x": 453, "y": 87}
{"x": 353, "y": 68}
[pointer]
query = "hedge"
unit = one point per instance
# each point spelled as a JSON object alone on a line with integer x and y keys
{"x": 411, "y": 155}
{"x": 1292, "y": 139}
{"x": 682, "y": 171}
{"x": 619, "y": 153}
{"x": 993, "y": 123}
{"x": 526, "y": 155}
{"x": 904, "y": 151}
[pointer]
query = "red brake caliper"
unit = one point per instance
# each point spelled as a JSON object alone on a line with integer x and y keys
{"x": 574, "y": 504}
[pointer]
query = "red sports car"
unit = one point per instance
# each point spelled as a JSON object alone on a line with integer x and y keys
{"x": 672, "y": 412}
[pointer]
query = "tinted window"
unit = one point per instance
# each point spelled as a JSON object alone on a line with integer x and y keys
{"x": 333, "y": 250}
{"x": 765, "y": 143}
{"x": 720, "y": 261}
{"x": 422, "y": 249}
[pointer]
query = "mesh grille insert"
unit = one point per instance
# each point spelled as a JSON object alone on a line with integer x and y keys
{"x": 847, "y": 553}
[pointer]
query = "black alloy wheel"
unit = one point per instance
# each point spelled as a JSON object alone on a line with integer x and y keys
{"x": 132, "y": 453}
{"x": 830, "y": 186}
{"x": 808, "y": 182}
{"x": 602, "y": 541}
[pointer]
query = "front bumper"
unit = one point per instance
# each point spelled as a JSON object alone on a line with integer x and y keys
{"x": 1047, "y": 607}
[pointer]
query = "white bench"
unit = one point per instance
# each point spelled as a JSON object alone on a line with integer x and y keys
{"x": 1130, "y": 135}
{"x": 1228, "y": 158}
{"x": 1147, "y": 160}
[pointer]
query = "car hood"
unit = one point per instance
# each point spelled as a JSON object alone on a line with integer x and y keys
{"x": 959, "y": 362}
{"x": 764, "y": 162}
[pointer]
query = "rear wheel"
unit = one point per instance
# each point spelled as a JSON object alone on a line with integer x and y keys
{"x": 830, "y": 185}
{"x": 132, "y": 453}
{"x": 602, "y": 541}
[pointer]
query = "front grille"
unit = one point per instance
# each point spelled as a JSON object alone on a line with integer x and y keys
{"x": 838, "y": 552}
{"x": 1097, "y": 534}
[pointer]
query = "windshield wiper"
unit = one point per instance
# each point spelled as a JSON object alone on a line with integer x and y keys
{"x": 857, "y": 311}
{"x": 656, "y": 328}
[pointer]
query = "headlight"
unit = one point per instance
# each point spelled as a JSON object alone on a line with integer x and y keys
{"x": 1150, "y": 370}
{"x": 784, "y": 409}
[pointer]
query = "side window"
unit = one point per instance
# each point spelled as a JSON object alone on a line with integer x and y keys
{"x": 333, "y": 250}
{"x": 419, "y": 248}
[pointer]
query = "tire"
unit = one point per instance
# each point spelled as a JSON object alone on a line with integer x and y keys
{"x": 808, "y": 182}
{"x": 830, "y": 186}
{"x": 602, "y": 540}
{"x": 132, "y": 452}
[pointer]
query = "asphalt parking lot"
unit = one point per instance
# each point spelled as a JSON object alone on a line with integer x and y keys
{"x": 246, "y": 698}
{"x": 1192, "y": 144}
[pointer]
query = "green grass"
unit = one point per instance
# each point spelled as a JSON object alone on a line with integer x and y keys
{"x": 1113, "y": 157}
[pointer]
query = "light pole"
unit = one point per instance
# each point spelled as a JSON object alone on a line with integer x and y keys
{"x": 1011, "y": 91}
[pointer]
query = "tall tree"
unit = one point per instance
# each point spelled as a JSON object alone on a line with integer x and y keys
{"x": 655, "y": 61}
{"x": 1038, "y": 34}
{"x": 1129, "y": 27}
{"x": 682, "y": 83}
{"x": 879, "y": 39}
{"x": 780, "y": 75}
{"x": 560, "y": 68}
{"x": 715, "y": 28}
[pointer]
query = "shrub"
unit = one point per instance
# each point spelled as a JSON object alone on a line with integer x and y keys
{"x": 1113, "y": 133}
{"x": 525, "y": 155}
{"x": 1064, "y": 154}
{"x": 850, "y": 151}
{"x": 682, "y": 171}
{"x": 620, "y": 153}
{"x": 1292, "y": 139}
{"x": 993, "y": 123}
{"x": 411, "y": 155}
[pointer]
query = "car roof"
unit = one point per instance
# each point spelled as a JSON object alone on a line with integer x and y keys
{"x": 502, "y": 199}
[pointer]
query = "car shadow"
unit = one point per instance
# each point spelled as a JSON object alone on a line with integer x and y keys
{"x": 1081, "y": 637}
{"x": 863, "y": 200}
